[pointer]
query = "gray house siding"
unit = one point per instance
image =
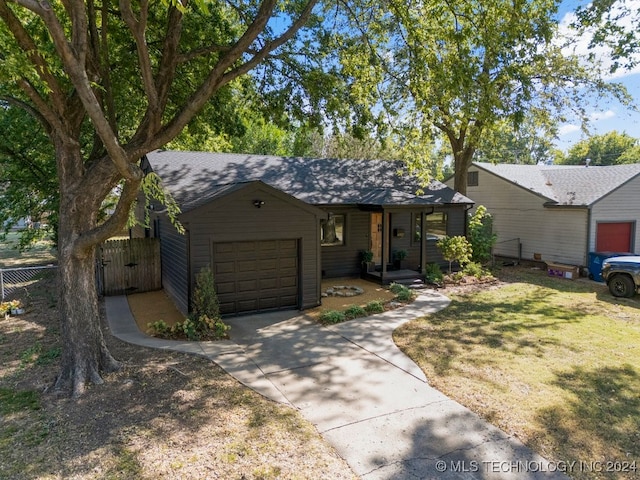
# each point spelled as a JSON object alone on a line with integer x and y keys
{"x": 620, "y": 205}
{"x": 519, "y": 215}
{"x": 344, "y": 260}
{"x": 174, "y": 254}
{"x": 234, "y": 218}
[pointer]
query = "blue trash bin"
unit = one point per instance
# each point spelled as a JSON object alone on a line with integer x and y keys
{"x": 595, "y": 263}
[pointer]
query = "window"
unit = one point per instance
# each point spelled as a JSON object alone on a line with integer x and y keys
{"x": 472, "y": 179}
{"x": 417, "y": 227}
{"x": 436, "y": 225}
{"x": 332, "y": 231}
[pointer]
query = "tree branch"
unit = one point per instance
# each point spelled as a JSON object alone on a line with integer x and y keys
{"x": 114, "y": 223}
{"x": 219, "y": 75}
{"x": 78, "y": 75}
{"x": 27, "y": 44}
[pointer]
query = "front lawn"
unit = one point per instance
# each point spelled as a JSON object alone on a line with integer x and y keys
{"x": 554, "y": 362}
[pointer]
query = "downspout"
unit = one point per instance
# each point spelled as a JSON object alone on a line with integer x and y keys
{"x": 385, "y": 240}
{"x": 423, "y": 239}
{"x": 586, "y": 252}
{"x": 187, "y": 234}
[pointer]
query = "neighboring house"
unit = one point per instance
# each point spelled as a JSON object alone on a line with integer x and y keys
{"x": 559, "y": 213}
{"x": 271, "y": 228}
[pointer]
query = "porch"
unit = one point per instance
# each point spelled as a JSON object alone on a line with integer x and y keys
{"x": 408, "y": 277}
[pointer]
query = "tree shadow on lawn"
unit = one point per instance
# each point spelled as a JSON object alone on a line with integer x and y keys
{"x": 511, "y": 325}
{"x": 535, "y": 276}
{"x": 600, "y": 422}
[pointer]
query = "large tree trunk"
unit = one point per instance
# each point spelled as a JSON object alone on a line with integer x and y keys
{"x": 84, "y": 352}
{"x": 463, "y": 156}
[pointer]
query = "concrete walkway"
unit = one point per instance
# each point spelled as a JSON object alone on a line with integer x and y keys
{"x": 366, "y": 398}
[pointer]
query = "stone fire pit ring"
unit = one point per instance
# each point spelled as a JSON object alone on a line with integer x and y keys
{"x": 343, "y": 291}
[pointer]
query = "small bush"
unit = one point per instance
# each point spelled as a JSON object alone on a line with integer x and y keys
{"x": 331, "y": 317}
{"x": 355, "y": 311}
{"x": 375, "y": 306}
{"x": 160, "y": 329}
{"x": 455, "y": 249}
{"x": 433, "y": 274}
{"x": 481, "y": 235}
{"x": 204, "y": 323}
{"x": 403, "y": 294}
{"x": 476, "y": 270}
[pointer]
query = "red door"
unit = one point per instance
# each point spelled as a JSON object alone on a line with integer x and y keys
{"x": 614, "y": 237}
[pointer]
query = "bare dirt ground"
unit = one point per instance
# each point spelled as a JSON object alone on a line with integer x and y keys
{"x": 164, "y": 415}
{"x": 150, "y": 307}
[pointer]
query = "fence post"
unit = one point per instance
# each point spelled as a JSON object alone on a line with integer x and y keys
{"x": 2, "y": 284}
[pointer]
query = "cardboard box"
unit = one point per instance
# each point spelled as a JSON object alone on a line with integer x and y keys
{"x": 570, "y": 272}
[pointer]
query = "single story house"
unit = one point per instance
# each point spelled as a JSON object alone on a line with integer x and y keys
{"x": 272, "y": 227}
{"x": 559, "y": 213}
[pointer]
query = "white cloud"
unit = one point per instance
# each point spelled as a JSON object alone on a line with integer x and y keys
{"x": 595, "y": 116}
{"x": 567, "y": 128}
{"x": 579, "y": 45}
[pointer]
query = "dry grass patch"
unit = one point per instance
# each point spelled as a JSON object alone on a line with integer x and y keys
{"x": 551, "y": 361}
{"x": 164, "y": 415}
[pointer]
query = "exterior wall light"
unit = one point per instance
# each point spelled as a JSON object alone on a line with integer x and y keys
{"x": 258, "y": 203}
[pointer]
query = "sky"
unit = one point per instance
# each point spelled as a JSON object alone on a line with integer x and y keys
{"x": 609, "y": 115}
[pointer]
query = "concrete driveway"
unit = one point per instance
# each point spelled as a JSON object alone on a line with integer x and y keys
{"x": 366, "y": 398}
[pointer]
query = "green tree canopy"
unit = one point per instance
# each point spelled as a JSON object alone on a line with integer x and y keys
{"x": 611, "y": 148}
{"x": 465, "y": 67}
{"x": 110, "y": 81}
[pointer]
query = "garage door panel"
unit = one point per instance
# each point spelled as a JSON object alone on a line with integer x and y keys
{"x": 223, "y": 248}
{"x": 255, "y": 276}
{"x": 247, "y": 306}
{"x": 269, "y": 264}
{"x": 614, "y": 236}
{"x": 288, "y": 282}
{"x": 224, "y": 267}
{"x": 288, "y": 263}
{"x": 244, "y": 266}
{"x": 268, "y": 283}
{"x": 268, "y": 246}
{"x": 225, "y": 287}
{"x": 247, "y": 286}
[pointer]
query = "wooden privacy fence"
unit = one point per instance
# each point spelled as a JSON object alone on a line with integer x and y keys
{"x": 128, "y": 266}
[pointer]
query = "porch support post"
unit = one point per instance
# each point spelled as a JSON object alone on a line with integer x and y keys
{"x": 385, "y": 240}
{"x": 423, "y": 242}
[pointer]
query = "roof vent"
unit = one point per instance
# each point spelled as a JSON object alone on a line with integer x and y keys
{"x": 587, "y": 161}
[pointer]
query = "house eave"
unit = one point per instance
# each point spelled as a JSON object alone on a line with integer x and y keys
{"x": 556, "y": 206}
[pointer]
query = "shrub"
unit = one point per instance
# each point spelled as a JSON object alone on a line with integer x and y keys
{"x": 331, "y": 317}
{"x": 204, "y": 323}
{"x": 366, "y": 256}
{"x": 433, "y": 274}
{"x": 456, "y": 249}
{"x": 355, "y": 311}
{"x": 403, "y": 294}
{"x": 205, "y": 299}
{"x": 480, "y": 235}
{"x": 474, "y": 269}
{"x": 160, "y": 329}
{"x": 375, "y": 306}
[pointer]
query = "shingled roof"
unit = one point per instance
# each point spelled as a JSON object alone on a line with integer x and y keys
{"x": 566, "y": 184}
{"x": 195, "y": 178}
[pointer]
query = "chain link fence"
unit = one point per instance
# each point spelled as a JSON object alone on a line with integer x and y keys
{"x": 13, "y": 280}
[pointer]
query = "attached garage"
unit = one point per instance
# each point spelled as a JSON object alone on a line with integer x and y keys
{"x": 256, "y": 276}
{"x": 262, "y": 245}
{"x": 614, "y": 236}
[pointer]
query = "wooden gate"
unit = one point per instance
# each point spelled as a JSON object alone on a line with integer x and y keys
{"x": 128, "y": 266}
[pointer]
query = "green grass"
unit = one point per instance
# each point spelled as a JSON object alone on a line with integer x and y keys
{"x": 41, "y": 252}
{"x": 554, "y": 361}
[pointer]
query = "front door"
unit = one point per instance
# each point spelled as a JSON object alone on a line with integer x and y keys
{"x": 376, "y": 237}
